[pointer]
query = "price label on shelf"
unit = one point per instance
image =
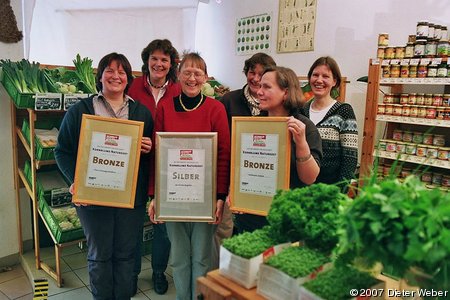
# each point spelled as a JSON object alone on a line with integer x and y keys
{"x": 436, "y": 61}
{"x": 395, "y": 61}
{"x": 375, "y": 61}
{"x": 425, "y": 61}
{"x": 414, "y": 61}
{"x": 404, "y": 62}
{"x": 48, "y": 101}
{"x": 385, "y": 62}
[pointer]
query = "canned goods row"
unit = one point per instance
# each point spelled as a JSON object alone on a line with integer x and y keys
{"x": 414, "y": 111}
{"x": 418, "y": 49}
{"x": 418, "y": 137}
{"x": 436, "y": 179}
{"x": 420, "y": 150}
{"x": 416, "y": 71}
{"x": 418, "y": 99}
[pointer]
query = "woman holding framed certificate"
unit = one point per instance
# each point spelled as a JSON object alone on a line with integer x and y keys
{"x": 111, "y": 228}
{"x": 280, "y": 95}
{"x": 184, "y": 190}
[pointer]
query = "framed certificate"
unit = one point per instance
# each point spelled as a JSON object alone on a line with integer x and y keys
{"x": 107, "y": 161}
{"x": 185, "y": 181}
{"x": 260, "y": 162}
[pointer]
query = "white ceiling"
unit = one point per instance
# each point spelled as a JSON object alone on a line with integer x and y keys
{"x": 121, "y": 4}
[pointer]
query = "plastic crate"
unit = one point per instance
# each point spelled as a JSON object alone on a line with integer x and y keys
{"x": 42, "y": 153}
{"x": 21, "y": 100}
{"x": 61, "y": 236}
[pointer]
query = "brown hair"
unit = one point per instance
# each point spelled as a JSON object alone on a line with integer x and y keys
{"x": 330, "y": 63}
{"x": 106, "y": 61}
{"x": 165, "y": 46}
{"x": 195, "y": 60}
{"x": 262, "y": 59}
{"x": 287, "y": 79}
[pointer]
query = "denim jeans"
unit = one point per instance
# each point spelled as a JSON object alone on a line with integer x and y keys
{"x": 191, "y": 248}
{"x": 112, "y": 235}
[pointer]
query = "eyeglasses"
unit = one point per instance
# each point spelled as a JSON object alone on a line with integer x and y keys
{"x": 197, "y": 75}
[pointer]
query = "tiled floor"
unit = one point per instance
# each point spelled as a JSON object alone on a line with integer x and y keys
{"x": 15, "y": 284}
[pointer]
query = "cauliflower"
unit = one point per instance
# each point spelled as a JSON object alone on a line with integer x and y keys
{"x": 207, "y": 90}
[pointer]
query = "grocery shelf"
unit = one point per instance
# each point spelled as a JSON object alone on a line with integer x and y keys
{"x": 413, "y": 159}
{"x": 415, "y": 121}
{"x": 421, "y": 81}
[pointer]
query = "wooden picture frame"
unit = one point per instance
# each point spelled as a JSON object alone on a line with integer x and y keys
{"x": 260, "y": 162}
{"x": 185, "y": 177}
{"x": 107, "y": 164}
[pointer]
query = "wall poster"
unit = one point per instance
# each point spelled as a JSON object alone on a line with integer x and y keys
{"x": 296, "y": 25}
{"x": 254, "y": 34}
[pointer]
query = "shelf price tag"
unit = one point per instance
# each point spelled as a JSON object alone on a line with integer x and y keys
{"x": 385, "y": 62}
{"x": 404, "y": 62}
{"x": 48, "y": 101}
{"x": 71, "y": 99}
{"x": 436, "y": 61}
{"x": 414, "y": 61}
{"x": 425, "y": 61}
{"x": 375, "y": 61}
{"x": 395, "y": 61}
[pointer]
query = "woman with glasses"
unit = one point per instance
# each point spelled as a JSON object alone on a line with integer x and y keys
{"x": 191, "y": 242}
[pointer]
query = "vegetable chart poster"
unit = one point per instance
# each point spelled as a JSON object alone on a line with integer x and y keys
{"x": 296, "y": 24}
{"x": 254, "y": 34}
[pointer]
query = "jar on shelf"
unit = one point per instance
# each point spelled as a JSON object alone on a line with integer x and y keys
{"x": 400, "y": 147}
{"x": 437, "y": 32}
{"x": 443, "y": 48}
{"x": 380, "y": 52}
{"x": 428, "y": 138}
{"x": 437, "y": 99}
{"x": 395, "y": 71}
{"x": 420, "y": 99}
{"x": 386, "y": 71}
{"x": 417, "y": 137}
{"x": 388, "y": 109}
{"x": 404, "y": 98}
{"x": 444, "y": 33}
{"x": 391, "y": 145}
{"x": 422, "y": 30}
{"x": 430, "y": 30}
{"x": 422, "y": 111}
{"x": 381, "y": 108}
{"x": 431, "y": 112}
{"x": 432, "y": 152}
{"x": 447, "y": 113}
{"x": 389, "y": 53}
{"x": 397, "y": 135}
{"x": 422, "y": 71}
{"x": 382, "y": 145}
{"x": 432, "y": 71}
{"x": 440, "y": 113}
{"x": 407, "y": 136}
{"x": 428, "y": 99}
{"x": 399, "y": 52}
{"x": 411, "y": 39}
{"x": 405, "y": 172}
{"x": 442, "y": 70}
{"x": 406, "y": 110}
{"x": 421, "y": 150}
{"x": 412, "y": 98}
{"x": 431, "y": 48}
{"x": 404, "y": 71}
{"x": 383, "y": 39}
{"x": 397, "y": 110}
{"x": 419, "y": 48}
{"x": 414, "y": 111}
{"x": 409, "y": 50}
{"x": 446, "y": 100}
{"x": 443, "y": 153}
{"x": 436, "y": 179}
{"x": 446, "y": 180}
{"x": 410, "y": 148}
{"x": 396, "y": 98}
{"x": 439, "y": 140}
{"x": 426, "y": 177}
{"x": 413, "y": 71}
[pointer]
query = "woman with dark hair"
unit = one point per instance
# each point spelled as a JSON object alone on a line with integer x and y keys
{"x": 111, "y": 233}
{"x": 243, "y": 103}
{"x": 191, "y": 111}
{"x": 158, "y": 84}
{"x": 280, "y": 96}
{"x": 335, "y": 121}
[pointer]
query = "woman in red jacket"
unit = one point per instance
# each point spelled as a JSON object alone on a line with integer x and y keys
{"x": 193, "y": 112}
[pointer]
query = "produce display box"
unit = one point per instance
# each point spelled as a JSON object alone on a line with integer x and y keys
{"x": 21, "y": 100}
{"x": 61, "y": 236}
{"x": 42, "y": 153}
{"x": 245, "y": 271}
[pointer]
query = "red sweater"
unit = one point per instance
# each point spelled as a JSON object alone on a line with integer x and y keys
{"x": 141, "y": 91}
{"x": 209, "y": 117}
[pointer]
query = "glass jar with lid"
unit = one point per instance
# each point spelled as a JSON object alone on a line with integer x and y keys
{"x": 442, "y": 49}
{"x": 413, "y": 71}
{"x": 422, "y": 29}
{"x": 432, "y": 71}
{"x": 430, "y": 30}
{"x": 409, "y": 50}
{"x": 419, "y": 48}
{"x": 430, "y": 48}
{"x": 437, "y": 32}
{"x": 422, "y": 71}
{"x": 442, "y": 70}
{"x": 444, "y": 33}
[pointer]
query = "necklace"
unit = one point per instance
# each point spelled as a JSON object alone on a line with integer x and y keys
{"x": 190, "y": 109}
{"x": 154, "y": 86}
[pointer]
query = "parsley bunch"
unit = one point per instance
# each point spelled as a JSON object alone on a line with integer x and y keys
{"x": 249, "y": 244}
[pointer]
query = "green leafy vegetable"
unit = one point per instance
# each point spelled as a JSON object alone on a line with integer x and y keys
{"x": 310, "y": 214}
{"x": 298, "y": 261}
{"x": 249, "y": 244}
{"x": 27, "y": 77}
{"x": 85, "y": 73}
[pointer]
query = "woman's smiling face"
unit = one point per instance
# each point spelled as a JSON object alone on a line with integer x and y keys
{"x": 191, "y": 78}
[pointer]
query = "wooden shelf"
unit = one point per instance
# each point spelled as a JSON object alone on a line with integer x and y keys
{"x": 413, "y": 159}
{"x": 414, "y": 121}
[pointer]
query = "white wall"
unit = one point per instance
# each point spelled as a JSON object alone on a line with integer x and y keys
{"x": 8, "y": 219}
{"x": 346, "y": 30}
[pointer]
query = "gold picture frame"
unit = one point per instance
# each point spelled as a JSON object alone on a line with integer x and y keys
{"x": 107, "y": 161}
{"x": 260, "y": 162}
{"x": 185, "y": 180}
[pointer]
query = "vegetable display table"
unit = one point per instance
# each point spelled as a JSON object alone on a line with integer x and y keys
{"x": 238, "y": 292}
